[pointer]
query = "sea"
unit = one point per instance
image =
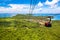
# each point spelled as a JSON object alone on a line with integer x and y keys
{"x": 56, "y": 16}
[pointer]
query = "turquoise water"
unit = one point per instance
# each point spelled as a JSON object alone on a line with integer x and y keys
{"x": 6, "y": 15}
{"x": 56, "y": 16}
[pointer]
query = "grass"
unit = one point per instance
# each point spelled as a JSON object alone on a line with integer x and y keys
{"x": 12, "y": 29}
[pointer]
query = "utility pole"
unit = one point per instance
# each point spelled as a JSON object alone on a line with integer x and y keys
{"x": 49, "y": 18}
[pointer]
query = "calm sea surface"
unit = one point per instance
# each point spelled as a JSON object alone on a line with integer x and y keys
{"x": 56, "y": 16}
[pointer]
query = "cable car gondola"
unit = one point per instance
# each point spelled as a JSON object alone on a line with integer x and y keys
{"x": 48, "y": 23}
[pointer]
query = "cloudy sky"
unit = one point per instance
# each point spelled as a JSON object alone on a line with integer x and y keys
{"x": 23, "y": 6}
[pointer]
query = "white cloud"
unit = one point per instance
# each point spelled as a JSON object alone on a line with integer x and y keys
{"x": 37, "y": 7}
{"x": 15, "y": 8}
{"x": 48, "y": 11}
{"x": 54, "y": 10}
{"x": 52, "y": 4}
{"x": 25, "y": 8}
{"x": 40, "y": 4}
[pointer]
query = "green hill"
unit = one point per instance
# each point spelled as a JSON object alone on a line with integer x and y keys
{"x": 20, "y": 29}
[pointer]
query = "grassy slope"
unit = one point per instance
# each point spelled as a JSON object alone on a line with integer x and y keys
{"x": 25, "y": 30}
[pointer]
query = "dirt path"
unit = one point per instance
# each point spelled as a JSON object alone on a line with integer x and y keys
{"x": 42, "y": 22}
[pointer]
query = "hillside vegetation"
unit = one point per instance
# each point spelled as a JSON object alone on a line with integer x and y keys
{"x": 17, "y": 28}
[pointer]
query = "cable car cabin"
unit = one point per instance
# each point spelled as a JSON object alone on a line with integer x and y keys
{"x": 48, "y": 24}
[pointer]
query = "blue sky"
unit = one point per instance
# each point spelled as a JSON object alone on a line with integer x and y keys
{"x": 23, "y": 6}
